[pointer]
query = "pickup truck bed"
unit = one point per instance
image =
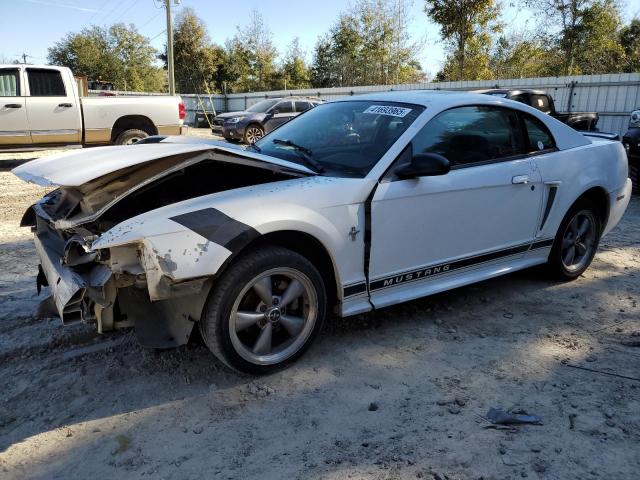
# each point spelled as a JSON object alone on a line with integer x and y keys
{"x": 542, "y": 101}
{"x": 41, "y": 106}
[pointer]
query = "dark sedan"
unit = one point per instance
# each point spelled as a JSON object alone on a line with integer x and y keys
{"x": 252, "y": 124}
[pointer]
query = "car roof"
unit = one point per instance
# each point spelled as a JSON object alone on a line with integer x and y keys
{"x": 512, "y": 91}
{"x": 438, "y": 99}
{"x": 295, "y": 97}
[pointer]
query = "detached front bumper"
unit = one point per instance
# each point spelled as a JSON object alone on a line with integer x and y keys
{"x": 71, "y": 290}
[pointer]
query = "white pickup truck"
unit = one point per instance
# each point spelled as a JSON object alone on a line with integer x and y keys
{"x": 41, "y": 106}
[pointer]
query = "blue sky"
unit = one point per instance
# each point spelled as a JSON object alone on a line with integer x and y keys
{"x": 31, "y": 26}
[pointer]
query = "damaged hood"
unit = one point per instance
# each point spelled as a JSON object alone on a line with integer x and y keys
{"x": 72, "y": 169}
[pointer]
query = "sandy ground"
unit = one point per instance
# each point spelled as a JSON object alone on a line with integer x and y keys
{"x": 398, "y": 394}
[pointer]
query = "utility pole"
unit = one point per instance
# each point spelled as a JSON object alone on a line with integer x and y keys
{"x": 24, "y": 57}
{"x": 172, "y": 78}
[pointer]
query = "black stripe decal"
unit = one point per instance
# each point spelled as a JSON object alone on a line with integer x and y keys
{"x": 354, "y": 289}
{"x": 442, "y": 268}
{"x": 219, "y": 228}
{"x": 542, "y": 244}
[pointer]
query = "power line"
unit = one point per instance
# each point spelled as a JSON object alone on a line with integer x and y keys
{"x": 156, "y": 36}
{"x": 104, "y": 4}
{"x": 104, "y": 17}
{"x": 150, "y": 20}
{"x": 124, "y": 11}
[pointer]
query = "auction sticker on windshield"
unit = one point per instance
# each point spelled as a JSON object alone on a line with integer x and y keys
{"x": 387, "y": 110}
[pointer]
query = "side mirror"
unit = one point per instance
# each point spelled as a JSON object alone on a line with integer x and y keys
{"x": 275, "y": 112}
{"x": 424, "y": 165}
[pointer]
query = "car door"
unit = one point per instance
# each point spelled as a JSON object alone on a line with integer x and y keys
{"x": 485, "y": 210}
{"x": 280, "y": 113}
{"x": 14, "y": 128}
{"x": 53, "y": 112}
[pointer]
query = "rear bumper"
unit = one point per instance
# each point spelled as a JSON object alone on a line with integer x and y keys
{"x": 619, "y": 200}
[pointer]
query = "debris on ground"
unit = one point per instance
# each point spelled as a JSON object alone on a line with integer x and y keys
{"x": 632, "y": 341}
{"x": 498, "y": 416}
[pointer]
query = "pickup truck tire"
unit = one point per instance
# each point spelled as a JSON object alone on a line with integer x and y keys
{"x": 264, "y": 311}
{"x": 576, "y": 242}
{"x": 131, "y": 136}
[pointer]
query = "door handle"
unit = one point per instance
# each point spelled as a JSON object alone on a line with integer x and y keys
{"x": 520, "y": 179}
{"x": 65, "y": 105}
{"x": 13, "y": 105}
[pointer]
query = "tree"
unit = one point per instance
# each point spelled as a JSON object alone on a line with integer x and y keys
{"x": 582, "y": 36}
{"x": 598, "y": 39}
{"x": 519, "y": 56}
{"x": 252, "y": 56}
{"x": 324, "y": 72}
{"x": 466, "y": 26}
{"x": 294, "y": 72}
{"x": 199, "y": 64}
{"x": 118, "y": 54}
{"x": 630, "y": 43}
{"x": 368, "y": 44}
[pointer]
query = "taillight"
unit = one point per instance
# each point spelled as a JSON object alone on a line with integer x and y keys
{"x": 181, "y": 111}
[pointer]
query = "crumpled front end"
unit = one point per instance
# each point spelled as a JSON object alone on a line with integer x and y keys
{"x": 111, "y": 259}
{"x": 111, "y": 288}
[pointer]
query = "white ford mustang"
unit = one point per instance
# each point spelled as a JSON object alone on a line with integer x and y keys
{"x": 354, "y": 205}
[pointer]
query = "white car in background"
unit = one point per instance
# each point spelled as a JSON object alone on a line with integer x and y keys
{"x": 41, "y": 106}
{"x": 354, "y": 205}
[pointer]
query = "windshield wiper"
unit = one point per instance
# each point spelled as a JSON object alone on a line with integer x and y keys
{"x": 255, "y": 147}
{"x": 304, "y": 152}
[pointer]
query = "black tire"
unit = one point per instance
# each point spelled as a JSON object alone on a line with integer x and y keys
{"x": 249, "y": 137}
{"x": 556, "y": 264}
{"x": 634, "y": 175}
{"x": 131, "y": 136}
{"x": 216, "y": 322}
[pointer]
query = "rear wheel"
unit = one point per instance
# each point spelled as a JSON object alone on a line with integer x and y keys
{"x": 576, "y": 242}
{"x": 265, "y": 310}
{"x": 131, "y": 136}
{"x": 253, "y": 133}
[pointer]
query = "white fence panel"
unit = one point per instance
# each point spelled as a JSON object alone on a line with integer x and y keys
{"x": 613, "y": 96}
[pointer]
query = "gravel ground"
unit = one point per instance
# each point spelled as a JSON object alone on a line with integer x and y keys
{"x": 401, "y": 393}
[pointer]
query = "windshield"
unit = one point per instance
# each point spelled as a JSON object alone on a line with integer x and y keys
{"x": 262, "y": 106}
{"x": 345, "y": 138}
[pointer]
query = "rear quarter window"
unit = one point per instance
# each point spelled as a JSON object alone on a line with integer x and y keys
{"x": 539, "y": 136}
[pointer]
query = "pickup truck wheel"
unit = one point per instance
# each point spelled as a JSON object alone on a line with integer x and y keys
{"x": 131, "y": 136}
{"x": 576, "y": 242}
{"x": 265, "y": 311}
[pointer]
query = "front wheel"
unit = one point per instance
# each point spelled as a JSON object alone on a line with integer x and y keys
{"x": 576, "y": 242}
{"x": 264, "y": 311}
{"x": 253, "y": 133}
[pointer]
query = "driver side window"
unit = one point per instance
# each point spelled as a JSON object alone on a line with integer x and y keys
{"x": 471, "y": 135}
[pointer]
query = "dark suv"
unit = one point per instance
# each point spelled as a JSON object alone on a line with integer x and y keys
{"x": 260, "y": 118}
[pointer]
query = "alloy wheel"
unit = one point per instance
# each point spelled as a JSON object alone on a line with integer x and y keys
{"x": 254, "y": 134}
{"x": 579, "y": 241}
{"x": 273, "y": 316}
